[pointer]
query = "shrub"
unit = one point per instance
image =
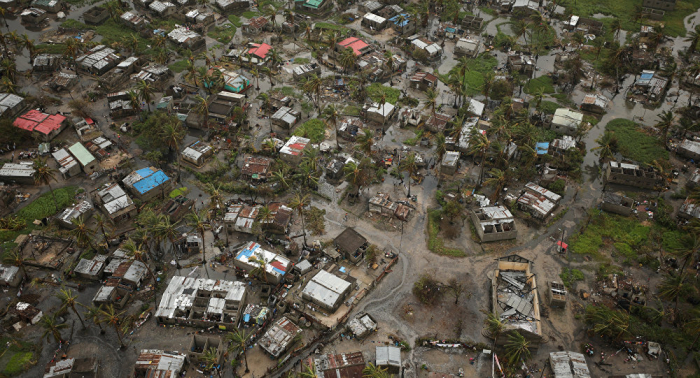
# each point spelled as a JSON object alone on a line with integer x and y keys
{"x": 314, "y": 129}
{"x": 375, "y": 91}
{"x": 558, "y": 186}
{"x": 427, "y": 290}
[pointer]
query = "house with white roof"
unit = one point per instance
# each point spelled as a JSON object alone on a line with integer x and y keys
{"x": 566, "y": 121}
{"x": 250, "y": 256}
{"x": 114, "y": 202}
{"x": 293, "y": 151}
{"x": 67, "y": 165}
{"x": 326, "y": 290}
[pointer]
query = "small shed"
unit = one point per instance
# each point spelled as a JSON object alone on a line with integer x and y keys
{"x": 389, "y": 357}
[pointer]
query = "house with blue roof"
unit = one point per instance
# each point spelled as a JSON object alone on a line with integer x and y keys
{"x": 403, "y": 23}
{"x": 253, "y": 259}
{"x": 147, "y": 183}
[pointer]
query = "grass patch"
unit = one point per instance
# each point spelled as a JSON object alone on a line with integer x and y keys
{"x": 301, "y": 60}
{"x": 289, "y": 91}
{"x": 314, "y": 129}
{"x": 17, "y": 357}
{"x": 42, "y": 207}
{"x": 541, "y": 83}
{"x": 113, "y": 31}
{"x": 178, "y": 192}
{"x": 375, "y": 91}
{"x": 51, "y": 48}
{"x": 569, "y": 276}
{"x": 627, "y": 236}
{"x": 549, "y": 107}
{"x": 250, "y": 14}
{"x": 223, "y": 34}
{"x": 633, "y": 143}
{"x": 351, "y": 110}
{"x": 178, "y": 66}
{"x": 478, "y": 68}
{"x": 436, "y": 243}
{"x": 235, "y": 20}
{"x": 75, "y": 24}
{"x": 328, "y": 26}
{"x": 488, "y": 11}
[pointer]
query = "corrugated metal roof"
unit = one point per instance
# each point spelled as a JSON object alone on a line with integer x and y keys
{"x": 81, "y": 154}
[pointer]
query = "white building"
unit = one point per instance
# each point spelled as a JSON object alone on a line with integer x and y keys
{"x": 275, "y": 266}
{"x": 326, "y": 290}
{"x": 566, "y": 121}
{"x": 293, "y": 151}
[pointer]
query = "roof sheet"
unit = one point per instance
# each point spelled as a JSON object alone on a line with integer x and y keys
{"x": 81, "y": 154}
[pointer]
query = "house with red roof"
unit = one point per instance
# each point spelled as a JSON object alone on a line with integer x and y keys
{"x": 293, "y": 151}
{"x": 44, "y": 126}
{"x": 357, "y": 45}
{"x": 258, "y": 54}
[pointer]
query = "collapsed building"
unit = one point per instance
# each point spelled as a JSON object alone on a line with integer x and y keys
{"x": 515, "y": 301}
{"x": 631, "y": 175}
{"x": 493, "y": 223}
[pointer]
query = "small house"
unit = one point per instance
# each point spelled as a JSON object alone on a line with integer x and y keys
{"x": 351, "y": 244}
{"x": 67, "y": 165}
{"x": 494, "y": 223}
{"x": 255, "y": 25}
{"x": 186, "y": 38}
{"x": 472, "y": 23}
{"x": 11, "y": 104}
{"x": 82, "y": 210}
{"x": 285, "y": 117}
{"x": 256, "y": 169}
{"x": 450, "y": 163}
{"x": 91, "y": 269}
{"x": 566, "y": 121}
{"x": 424, "y": 81}
{"x": 98, "y": 60}
{"x": 41, "y": 125}
{"x": 373, "y": 22}
{"x": 326, "y": 290}
{"x": 432, "y": 50}
{"x": 33, "y": 17}
{"x": 275, "y": 268}
{"x": 631, "y": 175}
{"x": 438, "y": 122}
{"x": 375, "y": 112}
{"x": 228, "y": 6}
{"x": 197, "y": 153}
{"x": 147, "y": 183}
{"x": 87, "y": 162}
{"x": 96, "y": 15}
{"x": 51, "y": 6}
{"x": 306, "y": 70}
{"x": 467, "y": 46}
{"x": 316, "y": 7}
{"x": 594, "y": 103}
{"x": 389, "y": 358}
{"x": 21, "y": 173}
{"x": 293, "y": 151}
{"x": 618, "y": 204}
{"x": 382, "y": 204}
{"x": 349, "y": 128}
{"x": 538, "y": 201}
{"x": 10, "y": 275}
{"x": 279, "y": 337}
{"x": 689, "y": 149}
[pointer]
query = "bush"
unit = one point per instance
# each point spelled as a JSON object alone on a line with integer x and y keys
{"x": 314, "y": 129}
{"x": 235, "y": 20}
{"x": 224, "y": 33}
{"x": 74, "y": 24}
{"x": 478, "y": 68}
{"x": 623, "y": 232}
{"x": 18, "y": 363}
{"x": 558, "y": 187}
{"x": 375, "y": 91}
{"x": 178, "y": 66}
{"x": 548, "y": 107}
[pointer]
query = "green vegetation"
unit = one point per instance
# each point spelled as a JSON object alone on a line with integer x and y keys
{"x": 375, "y": 91}
{"x": 301, "y": 60}
{"x": 633, "y": 143}
{"x": 42, "y": 207}
{"x": 541, "y": 83}
{"x": 314, "y": 129}
{"x": 627, "y": 236}
{"x": 569, "y": 276}
{"x": 74, "y": 24}
{"x": 414, "y": 140}
{"x": 250, "y": 14}
{"x": 488, "y": 11}
{"x": 549, "y": 107}
{"x": 328, "y": 26}
{"x": 224, "y": 33}
{"x": 178, "y": 66}
{"x": 113, "y": 31}
{"x": 436, "y": 243}
{"x": 351, "y": 110}
{"x": 17, "y": 356}
{"x": 235, "y": 20}
{"x": 48, "y": 48}
{"x": 478, "y": 68}
{"x": 178, "y": 192}
{"x": 625, "y": 11}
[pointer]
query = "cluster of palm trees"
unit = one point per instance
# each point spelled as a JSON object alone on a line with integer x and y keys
{"x": 12, "y": 43}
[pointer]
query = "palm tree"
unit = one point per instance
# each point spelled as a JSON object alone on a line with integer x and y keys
{"x": 191, "y": 72}
{"x": 489, "y": 79}
{"x": 199, "y": 222}
{"x": 69, "y": 299}
{"x": 82, "y": 233}
{"x": 71, "y": 50}
{"x": 238, "y": 340}
{"x": 113, "y": 318}
{"x": 265, "y": 215}
{"x": 690, "y": 249}
{"x": 93, "y": 314}
{"x": 139, "y": 253}
{"x": 672, "y": 288}
{"x": 261, "y": 270}
{"x": 440, "y": 148}
{"x": 431, "y": 101}
{"x": 693, "y": 327}
{"x": 172, "y": 133}
{"x": 365, "y": 141}
{"x": 347, "y": 59}
{"x": 356, "y": 174}
{"x": 607, "y": 146}
{"x": 145, "y": 91}
{"x": 14, "y": 257}
{"x": 693, "y": 38}
{"x": 520, "y": 29}
{"x": 267, "y": 72}
{"x": 102, "y": 225}
{"x": 495, "y": 326}
{"x": 373, "y": 371}
{"x": 478, "y": 142}
{"x": 332, "y": 119}
{"x": 43, "y": 174}
{"x": 497, "y": 180}
{"x": 517, "y": 348}
{"x": 298, "y": 204}
{"x": 216, "y": 197}
{"x": 664, "y": 124}
{"x": 409, "y": 165}
{"x": 7, "y": 85}
{"x": 280, "y": 176}
{"x": 313, "y": 85}
{"x": 616, "y": 27}
{"x": 309, "y": 371}
{"x": 210, "y": 358}
{"x": 4, "y": 20}
{"x": 52, "y": 328}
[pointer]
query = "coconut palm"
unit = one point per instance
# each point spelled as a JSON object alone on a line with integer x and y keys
{"x": 3, "y": 12}
{"x": 440, "y": 148}
{"x": 92, "y": 314}
{"x": 607, "y": 146}
{"x": 331, "y": 118}
{"x": 52, "y": 327}
{"x": 693, "y": 38}
{"x": 374, "y": 371}
{"x": 673, "y": 288}
{"x": 690, "y": 249}
{"x": 216, "y": 197}
{"x": 431, "y": 101}
{"x": 82, "y": 233}
{"x": 8, "y": 86}
{"x": 191, "y": 72}
{"x": 280, "y": 177}
{"x": 479, "y": 143}
{"x": 298, "y": 203}
{"x": 494, "y": 325}
{"x": 210, "y": 358}
{"x": 102, "y": 225}
{"x": 172, "y": 133}
{"x": 265, "y": 215}
{"x": 238, "y": 340}
{"x": 309, "y": 371}
{"x": 69, "y": 300}
{"x": 347, "y": 59}
{"x": 517, "y": 348}
{"x": 260, "y": 270}
{"x": 113, "y": 318}
{"x": 498, "y": 181}
{"x": 665, "y": 122}
{"x": 199, "y": 222}
{"x": 14, "y": 257}
{"x": 410, "y": 166}
{"x": 693, "y": 327}
{"x": 43, "y": 174}
{"x": 357, "y": 174}
{"x": 616, "y": 27}
{"x": 267, "y": 72}
{"x": 138, "y": 252}
{"x": 489, "y": 79}
{"x": 365, "y": 141}
{"x": 146, "y": 92}
{"x": 313, "y": 86}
